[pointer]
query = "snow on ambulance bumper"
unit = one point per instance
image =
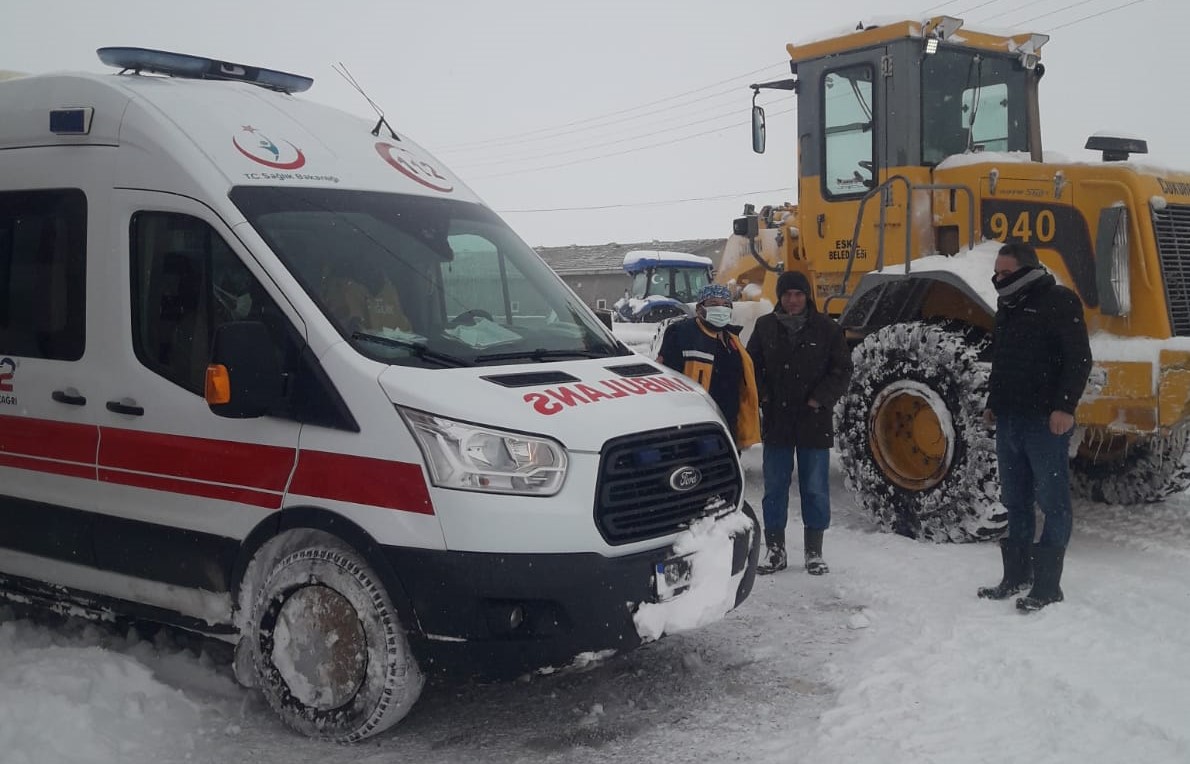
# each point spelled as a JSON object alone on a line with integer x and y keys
{"x": 491, "y": 615}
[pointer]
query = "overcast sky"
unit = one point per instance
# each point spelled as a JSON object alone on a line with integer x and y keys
{"x": 544, "y": 106}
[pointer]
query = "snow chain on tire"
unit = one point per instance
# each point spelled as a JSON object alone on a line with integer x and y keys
{"x": 391, "y": 680}
{"x": 936, "y": 367}
{"x": 1145, "y": 472}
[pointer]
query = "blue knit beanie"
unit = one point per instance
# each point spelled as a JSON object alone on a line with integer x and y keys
{"x": 713, "y": 291}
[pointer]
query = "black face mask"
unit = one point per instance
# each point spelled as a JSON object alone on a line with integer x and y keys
{"x": 1012, "y": 278}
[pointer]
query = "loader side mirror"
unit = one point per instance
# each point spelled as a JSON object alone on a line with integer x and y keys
{"x": 757, "y": 129}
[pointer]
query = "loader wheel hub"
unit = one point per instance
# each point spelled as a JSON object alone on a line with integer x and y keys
{"x": 911, "y": 435}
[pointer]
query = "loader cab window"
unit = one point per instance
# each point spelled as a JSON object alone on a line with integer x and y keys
{"x": 850, "y": 140}
{"x": 972, "y": 102}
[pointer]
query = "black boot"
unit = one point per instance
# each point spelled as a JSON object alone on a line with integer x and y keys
{"x": 814, "y": 563}
{"x": 1018, "y": 571}
{"x": 775, "y": 558}
{"x": 1047, "y": 575}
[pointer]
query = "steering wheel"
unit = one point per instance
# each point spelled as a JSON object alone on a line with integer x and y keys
{"x": 468, "y": 317}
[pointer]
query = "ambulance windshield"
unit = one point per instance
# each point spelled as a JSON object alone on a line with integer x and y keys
{"x": 425, "y": 282}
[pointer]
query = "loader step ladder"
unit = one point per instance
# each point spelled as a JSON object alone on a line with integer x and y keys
{"x": 884, "y": 190}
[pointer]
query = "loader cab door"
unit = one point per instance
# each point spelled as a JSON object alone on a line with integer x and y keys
{"x": 842, "y": 143}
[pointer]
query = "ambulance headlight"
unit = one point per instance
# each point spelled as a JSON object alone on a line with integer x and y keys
{"x": 473, "y": 458}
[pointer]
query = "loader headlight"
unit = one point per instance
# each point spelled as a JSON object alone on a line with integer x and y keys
{"x": 473, "y": 458}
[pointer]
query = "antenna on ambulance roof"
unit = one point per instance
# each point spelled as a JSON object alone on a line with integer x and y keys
{"x": 341, "y": 70}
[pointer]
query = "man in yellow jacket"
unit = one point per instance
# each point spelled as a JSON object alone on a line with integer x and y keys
{"x": 707, "y": 349}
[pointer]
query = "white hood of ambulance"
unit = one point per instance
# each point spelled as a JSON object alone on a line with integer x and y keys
{"x": 582, "y": 415}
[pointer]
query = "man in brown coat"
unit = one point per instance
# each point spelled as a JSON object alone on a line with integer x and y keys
{"x": 802, "y": 366}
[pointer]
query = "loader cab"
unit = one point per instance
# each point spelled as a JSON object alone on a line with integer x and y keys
{"x": 898, "y": 100}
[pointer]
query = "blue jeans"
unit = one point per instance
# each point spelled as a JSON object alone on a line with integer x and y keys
{"x": 1034, "y": 467}
{"x": 813, "y": 483}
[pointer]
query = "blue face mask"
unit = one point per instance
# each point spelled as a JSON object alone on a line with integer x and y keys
{"x": 718, "y": 316}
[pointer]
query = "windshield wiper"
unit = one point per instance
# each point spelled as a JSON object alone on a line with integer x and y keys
{"x": 419, "y": 348}
{"x": 542, "y": 354}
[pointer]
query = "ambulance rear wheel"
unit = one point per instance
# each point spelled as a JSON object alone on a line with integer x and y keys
{"x": 330, "y": 655}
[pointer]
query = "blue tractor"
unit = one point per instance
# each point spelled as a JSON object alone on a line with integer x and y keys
{"x": 664, "y": 285}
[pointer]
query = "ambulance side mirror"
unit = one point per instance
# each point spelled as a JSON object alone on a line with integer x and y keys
{"x": 244, "y": 379}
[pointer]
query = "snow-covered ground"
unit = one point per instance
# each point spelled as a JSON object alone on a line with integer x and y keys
{"x": 890, "y": 658}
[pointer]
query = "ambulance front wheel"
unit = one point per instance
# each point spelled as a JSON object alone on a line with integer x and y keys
{"x": 329, "y": 653}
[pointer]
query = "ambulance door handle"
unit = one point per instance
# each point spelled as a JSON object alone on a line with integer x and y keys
{"x": 69, "y": 396}
{"x": 126, "y": 406}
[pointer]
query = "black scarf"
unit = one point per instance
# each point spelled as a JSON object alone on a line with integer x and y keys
{"x": 1012, "y": 289}
{"x": 793, "y": 323}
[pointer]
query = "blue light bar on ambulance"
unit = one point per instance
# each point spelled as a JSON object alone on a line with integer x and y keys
{"x": 195, "y": 67}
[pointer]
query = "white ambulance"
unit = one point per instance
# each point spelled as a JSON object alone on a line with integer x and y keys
{"x": 273, "y": 374}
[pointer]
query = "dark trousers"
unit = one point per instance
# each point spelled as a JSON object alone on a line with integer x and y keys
{"x": 1034, "y": 469}
{"x": 813, "y": 482}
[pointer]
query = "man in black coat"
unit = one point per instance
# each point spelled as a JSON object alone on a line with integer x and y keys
{"x": 1041, "y": 359}
{"x": 802, "y": 366}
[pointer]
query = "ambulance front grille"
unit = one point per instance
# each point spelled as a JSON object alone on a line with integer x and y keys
{"x": 1171, "y": 225}
{"x": 634, "y": 497}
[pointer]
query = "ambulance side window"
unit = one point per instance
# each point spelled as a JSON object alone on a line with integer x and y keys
{"x": 43, "y": 262}
{"x": 186, "y": 283}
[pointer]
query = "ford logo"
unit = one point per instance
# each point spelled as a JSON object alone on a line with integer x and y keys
{"x": 684, "y": 479}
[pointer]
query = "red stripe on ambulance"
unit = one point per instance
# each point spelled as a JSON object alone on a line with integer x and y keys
{"x": 219, "y": 461}
{"x": 47, "y": 439}
{"x": 192, "y": 488}
{"x": 362, "y": 480}
{"x": 247, "y": 473}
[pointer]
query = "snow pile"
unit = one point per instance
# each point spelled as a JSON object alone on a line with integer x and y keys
{"x": 890, "y": 659}
{"x": 745, "y": 312}
{"x": 947, "y": 677}
{"x": 984, "y": 157}
{"x": 971, "y": 266}
{"x": 64, "y": 702}
{"x": 712, "y": 587}
{"x": 637, "y": 336}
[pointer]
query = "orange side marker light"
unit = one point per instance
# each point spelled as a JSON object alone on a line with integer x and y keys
{"x": 218, "y": 387}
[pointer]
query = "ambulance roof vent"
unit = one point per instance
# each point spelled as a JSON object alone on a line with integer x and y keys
{"x": 137, "y": 60}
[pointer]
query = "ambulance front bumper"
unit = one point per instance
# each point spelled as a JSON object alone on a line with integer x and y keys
{"x": 492, "y": 616}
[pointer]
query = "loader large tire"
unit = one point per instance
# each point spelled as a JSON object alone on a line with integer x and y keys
{"x": 1117, "y": 471}
{"x": 911, "y": 438}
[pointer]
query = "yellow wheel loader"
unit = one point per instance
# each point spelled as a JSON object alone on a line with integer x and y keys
{"x": 919, "y": 150}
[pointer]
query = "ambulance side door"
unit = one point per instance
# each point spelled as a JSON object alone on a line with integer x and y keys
{"x": 179, "y": 487}
{"x": 48, "y": 430}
